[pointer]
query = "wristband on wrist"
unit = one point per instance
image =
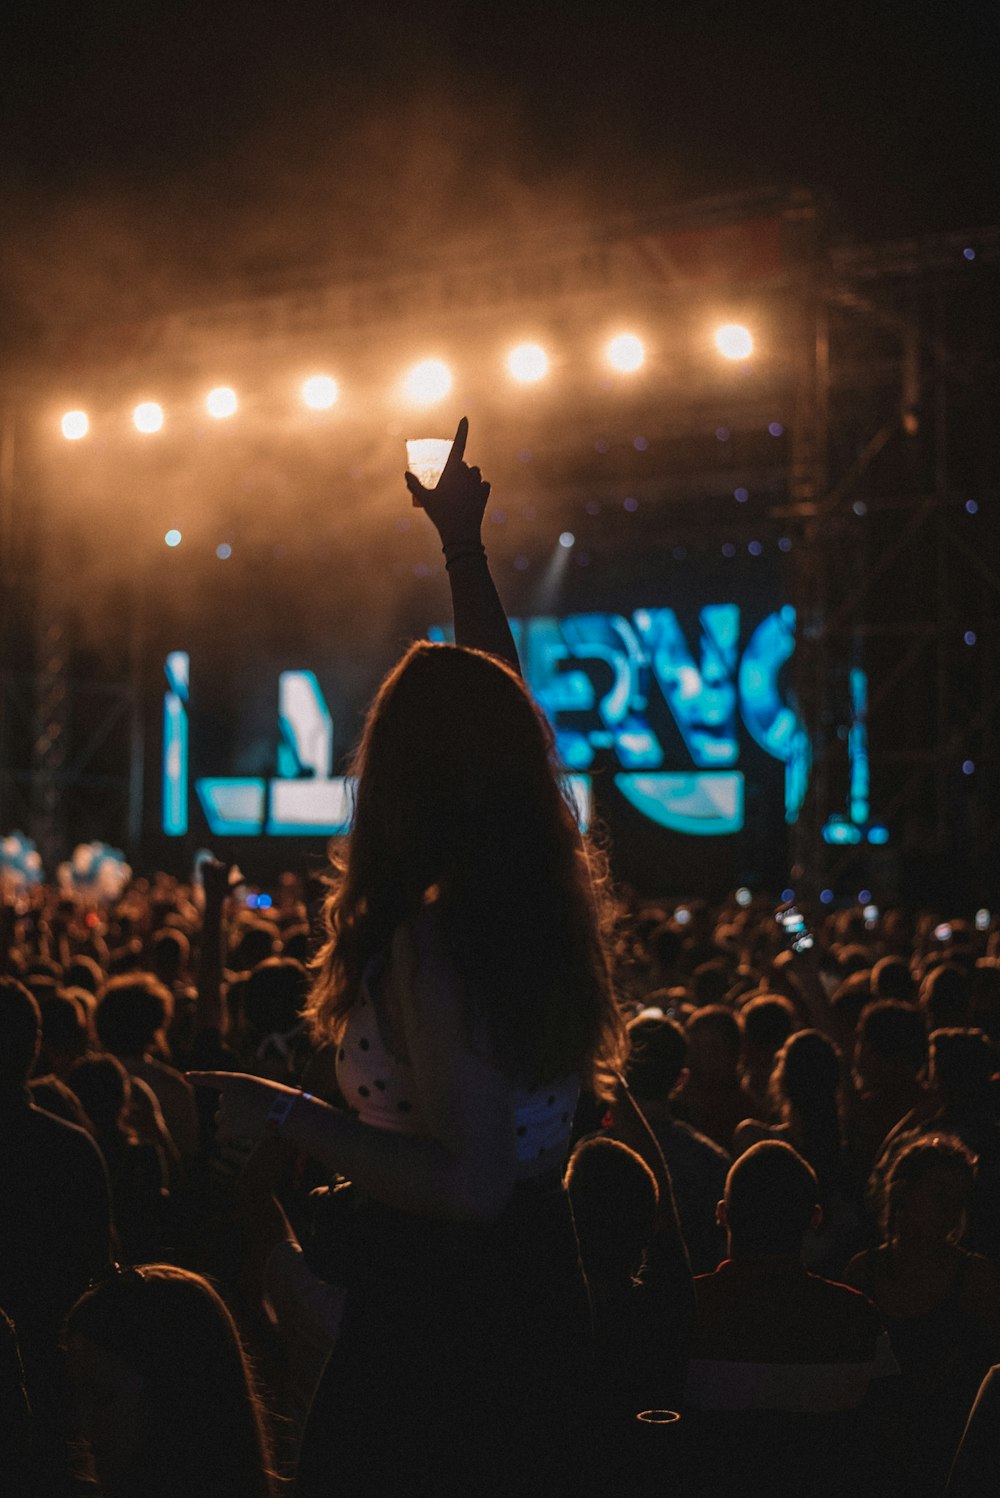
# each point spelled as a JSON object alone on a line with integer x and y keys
{"x": 281, "y": 1108}
{"x": 457, "y": 551}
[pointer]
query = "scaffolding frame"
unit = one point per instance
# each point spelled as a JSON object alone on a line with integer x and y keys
{"x": 876, "y": 364}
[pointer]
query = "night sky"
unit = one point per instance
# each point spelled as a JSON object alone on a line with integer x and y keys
{"x": 184, "y": 144}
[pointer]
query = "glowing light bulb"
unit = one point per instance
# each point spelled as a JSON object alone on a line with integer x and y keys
{"x": 320, "y": 392}
{"x": 427, "y": 382}
{"x": 75, "y": 424}
{"x": 148, "y": 417}
{"x": 528, "y": 363}
{"x": 734, "y": 341}
{"x": 626, "y": 353}
{"x": 173, "y": 538}
{"x": 221, "y": 402}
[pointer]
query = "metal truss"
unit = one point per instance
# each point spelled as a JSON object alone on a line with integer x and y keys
{"x": 888, "y": 359}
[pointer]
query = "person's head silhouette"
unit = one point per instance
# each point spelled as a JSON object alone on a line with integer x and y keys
{"x": 771, "y": 1201}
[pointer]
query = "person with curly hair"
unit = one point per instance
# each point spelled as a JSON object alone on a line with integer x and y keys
{"x": 465, "y": 983}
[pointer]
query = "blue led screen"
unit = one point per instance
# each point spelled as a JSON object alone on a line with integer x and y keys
{"x": 666, "y": 711}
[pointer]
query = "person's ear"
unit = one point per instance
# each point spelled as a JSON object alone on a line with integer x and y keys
{"x": 682, "y": 1080}
{"x": 721, "y": 1216}
{"x": 817, "y": 1216}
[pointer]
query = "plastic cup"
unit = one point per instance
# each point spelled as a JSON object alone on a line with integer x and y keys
{"x": 426, "y": 457}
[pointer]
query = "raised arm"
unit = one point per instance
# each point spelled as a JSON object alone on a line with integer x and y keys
{"x": 456, "y": 506}
{"x": 211, "y": 1011}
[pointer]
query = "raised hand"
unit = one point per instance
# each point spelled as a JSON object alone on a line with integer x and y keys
{"x": 244, "y": 1101}
{"x": 217, "y": 880}
{"x": 457, "y": 502}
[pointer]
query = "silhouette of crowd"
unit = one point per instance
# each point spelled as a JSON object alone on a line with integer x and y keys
{"x": 866, "y": 1150}
{"x": 466, "y": 1172}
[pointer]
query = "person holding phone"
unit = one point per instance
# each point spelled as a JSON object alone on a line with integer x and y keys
{"x": 465, "y": 983}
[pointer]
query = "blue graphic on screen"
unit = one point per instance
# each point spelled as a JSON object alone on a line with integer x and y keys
{"x": 643, "y": 662}
{"x": 175, "y": 745}
{"x": 858, "y": 747}
{"x": 702, "y": 696}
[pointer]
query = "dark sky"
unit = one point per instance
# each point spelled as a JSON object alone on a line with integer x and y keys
{"x": 187, "y": 140}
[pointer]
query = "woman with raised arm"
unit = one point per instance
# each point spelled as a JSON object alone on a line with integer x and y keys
{"x": 465, "y": 983}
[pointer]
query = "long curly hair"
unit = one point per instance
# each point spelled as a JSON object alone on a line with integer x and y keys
{"x": 459, "y": 803}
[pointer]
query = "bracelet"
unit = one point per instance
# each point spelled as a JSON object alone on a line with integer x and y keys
{"x": 457, "y": 551}
{"x": 279, "y": 1110}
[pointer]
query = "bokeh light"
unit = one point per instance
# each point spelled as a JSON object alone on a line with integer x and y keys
{"x": 320, "y": 392}
{"x": 527, "y": 363}
{"x": 221, "y": 402}
{"x": 173, "y": 538}
{"x": 567, "y": 539}
{"x": 427, "y": 382}
{"x": 626, "y": 353}
{"x": 75, "y": 424}
{"x": 734, "y": 341}
{"x": 223, "y": 551}
{"x": 148, "y": 417}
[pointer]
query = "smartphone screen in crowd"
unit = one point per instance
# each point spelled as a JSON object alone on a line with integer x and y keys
{"x": 793, "y": 923}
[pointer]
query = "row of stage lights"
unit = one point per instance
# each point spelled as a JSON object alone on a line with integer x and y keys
{"x": 426, "y": 383}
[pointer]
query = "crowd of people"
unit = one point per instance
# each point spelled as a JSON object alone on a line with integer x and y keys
{"x": 470, "y": 1173}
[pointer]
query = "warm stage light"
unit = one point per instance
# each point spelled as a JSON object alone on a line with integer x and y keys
{"x": 320, "y": 392}
{"x": 626, "y": 353}
{"x": 148, "y": 417}
{"x": 734, "y": 341}
{"x": 75, "y": 424}
{"x": 528, "y": 363}
{"x": 221, "y": 402}
{"x": 427, "y": 382}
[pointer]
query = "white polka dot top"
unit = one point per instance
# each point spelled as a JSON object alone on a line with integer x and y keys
{"x": 379, "y": 1089}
